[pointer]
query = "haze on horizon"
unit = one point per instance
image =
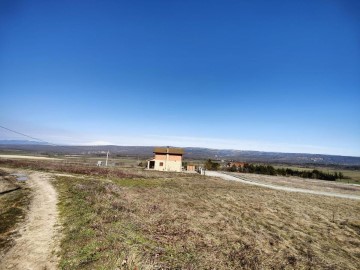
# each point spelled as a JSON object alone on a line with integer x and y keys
{"x": 280, "y": 76}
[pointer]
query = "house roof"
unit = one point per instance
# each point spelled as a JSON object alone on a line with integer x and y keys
{"x": 164, "y": 150}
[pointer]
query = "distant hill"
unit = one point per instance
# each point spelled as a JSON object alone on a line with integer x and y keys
{"x": 274, "y": 157}
{"x": 190, "y": 153}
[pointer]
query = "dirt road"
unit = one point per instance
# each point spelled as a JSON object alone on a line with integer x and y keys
{"x": 37, "y": 244}
{"x": 28, "y": 157}
{"x": 283, "y": 188}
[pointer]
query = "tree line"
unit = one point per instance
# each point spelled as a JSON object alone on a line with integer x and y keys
{"x": 213, "y": 166}
{"x": 270, "y": 170}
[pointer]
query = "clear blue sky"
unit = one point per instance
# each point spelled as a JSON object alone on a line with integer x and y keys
{"x": 250, "y": 75}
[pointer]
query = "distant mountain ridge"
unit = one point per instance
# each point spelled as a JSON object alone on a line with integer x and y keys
{"x": 190, "y": 153}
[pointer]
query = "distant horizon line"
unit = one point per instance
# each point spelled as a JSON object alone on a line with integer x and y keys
{"x": 208, "y": 148}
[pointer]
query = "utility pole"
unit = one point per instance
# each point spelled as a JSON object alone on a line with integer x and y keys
{"x": 167, "y": 158}
{"x": 107, "y": 157}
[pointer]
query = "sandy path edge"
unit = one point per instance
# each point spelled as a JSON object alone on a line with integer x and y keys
{"x": 38, "y": 243}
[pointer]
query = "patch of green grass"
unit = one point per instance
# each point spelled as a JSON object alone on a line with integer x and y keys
{"x": 351, "y": 180}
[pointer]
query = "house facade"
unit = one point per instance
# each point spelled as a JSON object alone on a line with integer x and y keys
{"x": 166, "y": 159}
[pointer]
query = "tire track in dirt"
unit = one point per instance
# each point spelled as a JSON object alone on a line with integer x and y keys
{"x": 38, "y": 243}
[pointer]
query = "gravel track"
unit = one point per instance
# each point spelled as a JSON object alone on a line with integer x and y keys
{"x": 244, "y": 180}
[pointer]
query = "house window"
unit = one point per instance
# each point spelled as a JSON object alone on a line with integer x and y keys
{"x": 161, "y": 164}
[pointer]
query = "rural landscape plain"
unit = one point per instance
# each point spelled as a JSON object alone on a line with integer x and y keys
{"x": 164, "y": 135}
{"x": 77, "y": 215}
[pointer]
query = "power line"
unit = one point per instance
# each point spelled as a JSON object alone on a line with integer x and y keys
{"x": 17, "y": 132}
{"x": 37, "y": 139}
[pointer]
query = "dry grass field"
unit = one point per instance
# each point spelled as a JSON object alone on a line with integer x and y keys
{"x": 27, "y": 157}
{"x": 133, "y": 219}
{"x": 180, "y": 221}
{"x": 13, "y": 207}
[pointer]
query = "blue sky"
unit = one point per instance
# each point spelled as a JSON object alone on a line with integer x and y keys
{"x": 250, "y": 75}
